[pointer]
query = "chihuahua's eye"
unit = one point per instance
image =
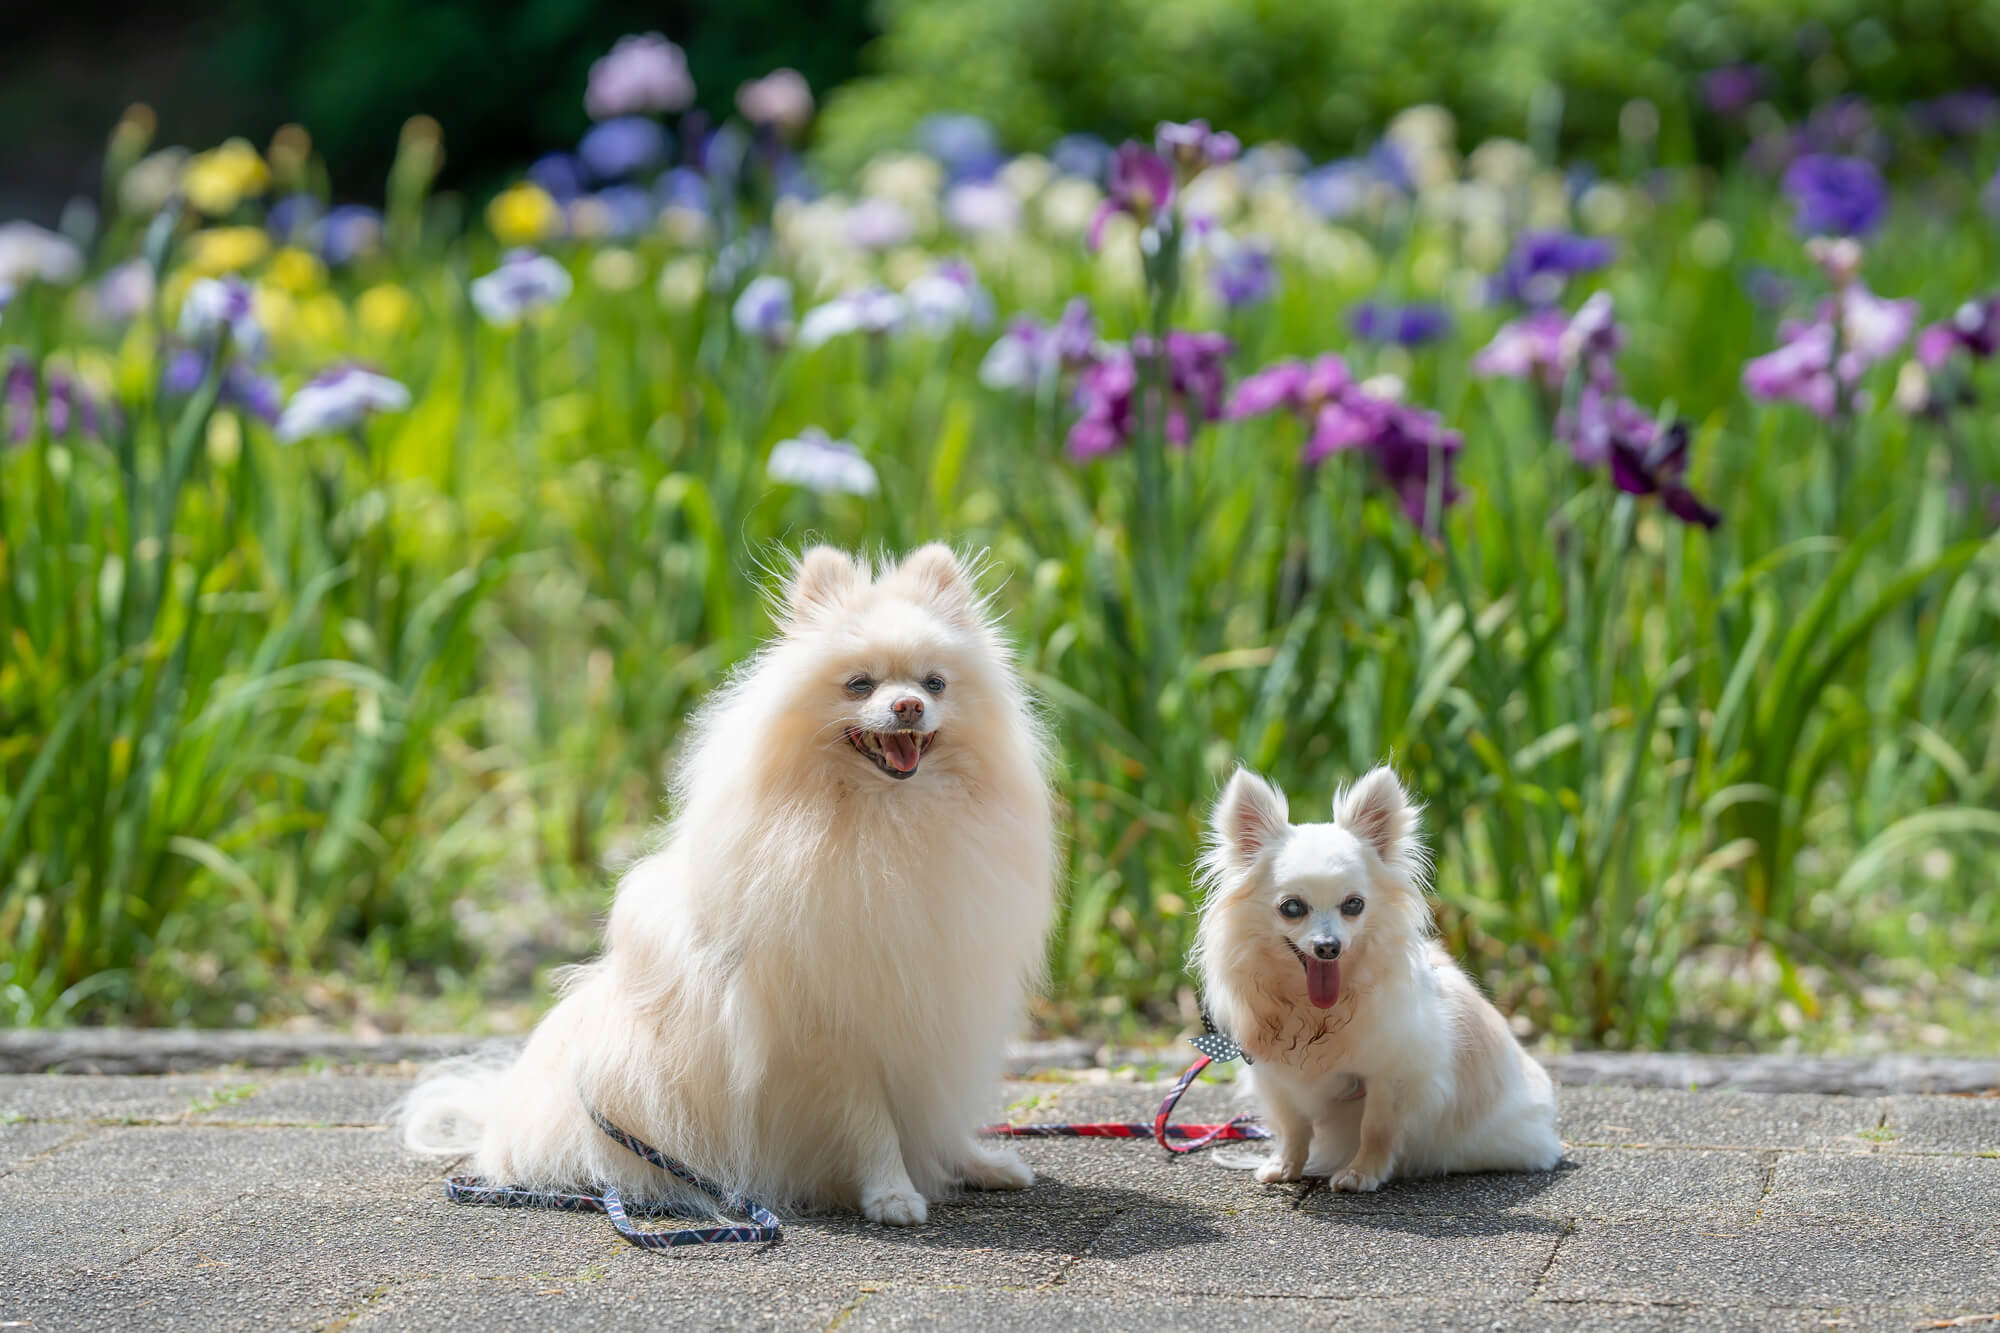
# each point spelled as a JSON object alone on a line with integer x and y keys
{"x": 935, "y": 684}
{"x": 1292, "y": 909}
{"x": 860, "y": 687}
{"x": 1352, "y": 907}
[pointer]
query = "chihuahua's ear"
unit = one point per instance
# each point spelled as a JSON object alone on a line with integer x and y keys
{"x": 937, "y": 577}
{"x": 1378, "y": 811}
{"x": 825, "y": 578}
{"x": 1250, "y": 816}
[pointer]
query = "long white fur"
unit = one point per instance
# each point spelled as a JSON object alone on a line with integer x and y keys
{"x": 1446, "y": 1086}
{"x": 807, "y": 990}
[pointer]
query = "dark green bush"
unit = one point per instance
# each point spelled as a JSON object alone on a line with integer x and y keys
{"x": 1328, "y": 73}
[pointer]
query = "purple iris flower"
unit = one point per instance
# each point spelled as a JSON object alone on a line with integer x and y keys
{"x": 1243, "y": 275}
{"x": 683, "y": 187}
{"x": 1407, "y": 444}
{"x": 349, "y": 232}
{"x": 66, "y": 406}
{"x": 1406, "y": 325}
{"x": 1732, "y": 89}
{"x": 1338, "y": 189}
{"x": 1965, "y": 114}
{"x": 1530, "y": 347}
{"x": 1799, "y": 370}
{"x": 1841, "y": 196}
{"x": 1142, "y": 184}
{"x": 1391, "y": 166}
{"x": 1974, "y": 328}
{"x": 964, "y": 143}
{"x": 1542, "y": 263}
{"x": 1194, "y": 145}
{"x": 626, "y": 146}
{"x": 1300, "y": 387}
{"x": 1083, "y": 155}
{"x": 1656, "y": 467}
{"x": 1196, "y": 387}
{"x": 629, "y": 206}
{"x": 560, "y": 174}
{"x": 242, "y": 387}
{"x": 292, "y": 217}
{"x": 1107, "y": 421}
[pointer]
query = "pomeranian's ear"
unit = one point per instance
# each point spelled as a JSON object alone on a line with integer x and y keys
{"x": 935, "y": 575}
{"x": 1378, "y": 811}
{"x": 1250, "y": 816}
{"x": 823, "y": 580}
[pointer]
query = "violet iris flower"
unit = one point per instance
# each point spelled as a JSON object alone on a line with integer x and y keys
{"x": 625, "y": 146}
{"x": 559, "y": 174}
{"x": 641, "y": 74}
{"x": 1406, "y": 326}
{"x": 1656, "y": 467}
{"x": 1542, "y": 263}
{"x": 1194, "y": 145}
{"x": 1105, "y": 392}
{"x": 1530, "y": 347}
{"x": 349, "y": 232}
{"x": 1243, "y": 275}
{"x": 1973, "y": 327}
{"x": 340, "y": 400}
{"x": 1142, "y": 184}
{"x": 242, "y": 387}
{"x": 1196, "y": 387}
{"x": 66, "y": 407}
{"x": 1841, "y": 196}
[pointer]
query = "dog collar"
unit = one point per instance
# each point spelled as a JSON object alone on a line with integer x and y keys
{"x": 1216, "y": 1044}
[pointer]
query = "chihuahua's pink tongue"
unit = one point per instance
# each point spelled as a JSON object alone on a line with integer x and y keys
{"x": 1323, "y": 983}
{"x": 901, "y": 750}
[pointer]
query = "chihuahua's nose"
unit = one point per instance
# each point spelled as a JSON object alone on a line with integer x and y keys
{"x": 909, "y": 708}
{"x": 1326, "y": 950}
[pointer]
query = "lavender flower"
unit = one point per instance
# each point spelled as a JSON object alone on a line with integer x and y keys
{"x": 1974, "y": 328}
{"x": 1107, "y": 422}
{"x": 623, "y": 146}
{"x": 782, "y": 100}
{"x": 559, "y": 175}
{"x": 1142, "y": 184}
{"x": 292, "y": 217}
{"x": 349, "y": 232}
{"x": 1301, "y": 387}
{"x": 1243, "y": 274}
{"x": 215, "y": 305}
{"x": 1338, "y": 190}
{"x": 1799, "y": 370}
{"x": 965, "y": 144}
{"x": 525, "y": 282}
{"x": 947, "y": 297}
{"x": 242, "y": 387}
{"x": 1193, "y": 146}
{"x": 65, "y": 406}
{"x": 1030, "y": 354}
{"x": 764, "y": 310}
{"x": 1407, "y": 326}
{"x": 1197, "y": 385}
{"x": 641, "y": 74}
{"x": 820, "y": 463}
{"x": 982, "y": 208}
{"x": 872, "y": 310}
{"x": 1083, "y": 155}
{"x": 1528, "y": 347}
{"x": 124, "y": 292}
{"x": 1842, "y": 196}
{"x": 1542, "y": 263}
{"x": 878, "y": 224}
{"x": 340, "y": 400}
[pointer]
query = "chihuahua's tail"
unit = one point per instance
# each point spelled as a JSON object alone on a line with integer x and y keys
{"x": 446, "y": 1113}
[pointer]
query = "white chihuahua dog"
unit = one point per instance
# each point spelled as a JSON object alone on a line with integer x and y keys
{"x": 1372, "y": 1054}
{"x": 807, "y": 991}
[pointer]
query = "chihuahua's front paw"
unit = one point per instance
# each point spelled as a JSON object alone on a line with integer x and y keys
{"x": 895, "y": 1207}
{"x": 1358, "y": 1182}
{"x": 1278, "y": 1170}
{"x": 997, "y": 1169}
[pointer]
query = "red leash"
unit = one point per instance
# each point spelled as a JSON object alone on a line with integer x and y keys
{"x": 1190, "y": 1137}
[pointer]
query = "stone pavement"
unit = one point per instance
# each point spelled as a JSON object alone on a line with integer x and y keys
{"x": 273, "y": 1199}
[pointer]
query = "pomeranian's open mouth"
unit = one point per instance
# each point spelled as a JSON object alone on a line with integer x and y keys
{"x": 896, "y": 753}
{"x": 1322, "y": 977}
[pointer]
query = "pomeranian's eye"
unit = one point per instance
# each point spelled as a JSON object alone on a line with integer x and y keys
{"x": 1292, "y": 909}
{"x": 934, "y": 683}
{"x": 860, "y": 687}
{"x": 1352, "y": 907}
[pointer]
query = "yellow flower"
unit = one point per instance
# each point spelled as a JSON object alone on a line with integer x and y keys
{"x": 523, "y": 214}
{"x": 226, "y": 249}
{"x": 277, "y": 312}
{"x": 385, "y": 309}
{"x": 322, "y": 319}
{"x": 221, "y": 178}
{"x": 297, "y": 270}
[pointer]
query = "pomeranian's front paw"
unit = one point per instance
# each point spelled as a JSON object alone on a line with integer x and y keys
{"x": 894, "y": 1207}
{"x": 1277, "y": 1170}
{"x": 997, "y": 1169}
{"x": 1358, "y": 1182}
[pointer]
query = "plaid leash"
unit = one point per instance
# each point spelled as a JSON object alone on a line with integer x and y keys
{"x": 1174, "y": 1138}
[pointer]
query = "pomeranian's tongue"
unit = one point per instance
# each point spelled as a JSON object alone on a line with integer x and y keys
{"x": 1323, "y": 982}
{"x": 900, "y": 748}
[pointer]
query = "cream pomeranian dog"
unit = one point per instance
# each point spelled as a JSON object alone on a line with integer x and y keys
{"x": 1372, "y": 1054}
{"x": 806, "y": 992}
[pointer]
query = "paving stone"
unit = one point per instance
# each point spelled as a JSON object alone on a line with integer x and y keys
{"x": 1945, "y": 1124}
{"x": 1278, "y": 1250}
{"x": 1885, "y": 1186}
{"x": 893, "y": 1311}
{"x": 304, "y": 1099}
{"x": 109, "y": 1097}
{"x": 1591, "y": 1182}
{"x": 1939, "y": 1269}
{"x": 608, "y": 1301}
{"x": 1623, "y": 1116}
{"x": 22, "y": 1142}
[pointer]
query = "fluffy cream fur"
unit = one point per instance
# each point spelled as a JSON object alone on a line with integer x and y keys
{"x": 807, "y": 990}
{"x": 1446, "y": 1087}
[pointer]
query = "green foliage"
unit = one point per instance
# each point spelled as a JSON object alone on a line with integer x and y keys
{"x": 1327, "y": 75}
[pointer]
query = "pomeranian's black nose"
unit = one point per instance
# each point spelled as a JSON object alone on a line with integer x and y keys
{"x": 909, "y": 708}
{"x": 1326, "y": 950}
